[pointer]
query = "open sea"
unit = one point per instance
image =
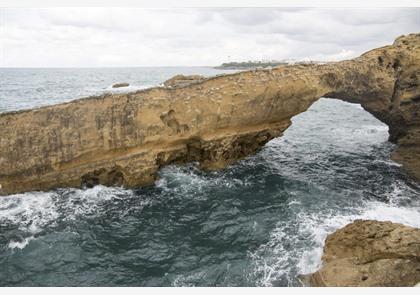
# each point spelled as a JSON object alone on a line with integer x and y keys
{"x": 260, "y": 222}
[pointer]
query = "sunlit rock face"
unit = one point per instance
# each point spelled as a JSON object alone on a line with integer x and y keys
{"x": 123, "y": 139}
{"x": 369, "y": 253}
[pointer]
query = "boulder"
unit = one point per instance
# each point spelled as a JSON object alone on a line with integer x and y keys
{"x": 118, "y": 85}
{"x": 369, "y": 253}
{"x": 181, "y": 80}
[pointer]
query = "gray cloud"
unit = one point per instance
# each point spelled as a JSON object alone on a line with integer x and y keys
{"x": 189, "y": 36}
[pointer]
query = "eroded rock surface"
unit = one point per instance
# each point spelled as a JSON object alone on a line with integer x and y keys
{"x": 370, "y": 253}
{"x": 123, "y": 139}
{"x": 181, "y": 80}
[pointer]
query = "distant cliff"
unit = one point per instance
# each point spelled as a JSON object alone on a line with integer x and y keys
{"x": 123, "y": 139}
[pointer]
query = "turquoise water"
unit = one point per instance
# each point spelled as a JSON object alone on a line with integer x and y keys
{"x": 260, "y": 222}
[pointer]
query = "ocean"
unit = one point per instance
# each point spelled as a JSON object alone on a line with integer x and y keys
{"x": 259, "y": 222}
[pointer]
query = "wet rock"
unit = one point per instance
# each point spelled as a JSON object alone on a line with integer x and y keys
{"x": 118, "y": 85}
{"x": 370, "y": 253}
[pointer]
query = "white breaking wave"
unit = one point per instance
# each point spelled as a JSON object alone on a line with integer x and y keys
{"x": 31, "y": 211}
{"x": 34, "y": 212}
{"x": 319, "y": 229}
{"x": 287, "y": 249}
{"x": 131, "y": 88}
{"x": 185, "y": 181}
{"x": 20, "y": 244}
{"x": 88, "y": 201}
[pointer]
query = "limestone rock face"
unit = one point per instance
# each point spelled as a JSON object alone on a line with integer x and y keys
{"x": 181, "y": 80}
{"x": 123, "y": 139}
{"x": 370, "y": 253}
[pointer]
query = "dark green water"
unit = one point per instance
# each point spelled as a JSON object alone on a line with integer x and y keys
{"x": 260, "y": 222}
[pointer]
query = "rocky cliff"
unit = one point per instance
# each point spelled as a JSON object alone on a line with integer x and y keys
{"x": 123, "y": 139}
{"x": 370, "y": 253}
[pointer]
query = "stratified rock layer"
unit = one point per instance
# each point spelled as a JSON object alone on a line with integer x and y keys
{"x": 370, "y": 253}
{"x": 123, "y": 139}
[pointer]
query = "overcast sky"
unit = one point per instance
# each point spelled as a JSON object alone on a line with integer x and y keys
{"x": 91, "y": 37}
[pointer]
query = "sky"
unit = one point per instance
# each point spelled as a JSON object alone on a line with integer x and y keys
{"x": 108, "y": 37}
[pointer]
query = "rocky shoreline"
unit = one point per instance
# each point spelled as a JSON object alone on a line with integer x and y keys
{"x": 124, "y": 139}
{"x": 368, "y": 253}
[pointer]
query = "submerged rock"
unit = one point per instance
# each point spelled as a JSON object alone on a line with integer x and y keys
{"x": 181, "y": 80}
{"x": 370, "y": 253}
{"x": 118, "y": 85}
{"x": 124, "y": 139}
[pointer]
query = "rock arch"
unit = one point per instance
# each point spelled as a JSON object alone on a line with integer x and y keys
{"x": 214, "y": 121}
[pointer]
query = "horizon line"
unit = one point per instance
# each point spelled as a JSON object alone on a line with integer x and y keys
{"x": 93, "y": 67}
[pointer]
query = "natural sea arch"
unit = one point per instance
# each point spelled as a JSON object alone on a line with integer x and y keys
{"x": 124, "y": 139}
